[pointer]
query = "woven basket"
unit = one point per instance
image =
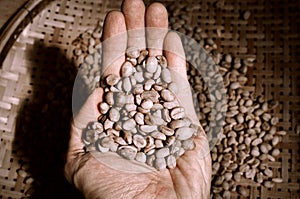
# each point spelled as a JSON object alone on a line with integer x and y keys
{"x": 37, "y": 73}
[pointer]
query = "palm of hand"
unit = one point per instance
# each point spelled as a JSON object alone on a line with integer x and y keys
{"x": 192, "y": 175}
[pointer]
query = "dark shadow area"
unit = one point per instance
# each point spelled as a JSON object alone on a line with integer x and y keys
{"x": 43, "y": 124}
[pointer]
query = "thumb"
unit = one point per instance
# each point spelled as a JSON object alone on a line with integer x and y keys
{"x": 88, "y": 113}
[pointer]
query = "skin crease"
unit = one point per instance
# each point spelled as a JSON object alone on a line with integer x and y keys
{"x": 192, "y": 177}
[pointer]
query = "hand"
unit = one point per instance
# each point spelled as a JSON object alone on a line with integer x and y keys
{"x": 90, "y": 173}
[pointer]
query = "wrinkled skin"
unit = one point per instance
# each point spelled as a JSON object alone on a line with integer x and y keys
{"x": 95, "y": 179}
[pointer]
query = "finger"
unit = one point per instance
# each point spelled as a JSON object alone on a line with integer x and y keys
{"x": 88, "y": 113}
{"x": 156, "y": 28}
{"x": 174, "y": 52}
{"x": 114, "y": 43}
{"x": 134, "y": 13}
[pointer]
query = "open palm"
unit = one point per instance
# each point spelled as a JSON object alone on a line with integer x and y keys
{"x": 92, "y": 173}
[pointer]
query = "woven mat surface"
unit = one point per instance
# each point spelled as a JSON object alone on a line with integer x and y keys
{"x": 37, "y": 75}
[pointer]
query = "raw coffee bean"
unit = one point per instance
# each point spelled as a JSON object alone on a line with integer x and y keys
{"x": 150, "y": 141}
{"x": 275, "y": 152}
{"x": 89, "y": 136}
{"x": 141, "y": 157}
{"x": 158, "y": 144}
{"x": 171, "y": 162}
{"x": 163, "y": 152}
{"x": 157, "y": 73}
{"x": 113, "y": 132}
{"x": 167, "y": 131}
{"x": 148, "y": 84}
{"x": 114, "y": 115}
{"x": 188, "y": 144}
{"x": 100, "y": 148}
{"x": 156, "y": 121}
{"x": 132, "y": 52}
{"x": 162, "y": 61}
{"x": 112, "y": 79}
{"x": 256, "y": 142}
{"x": 171, "y": 105}
{"x": 268, "y": 184}
{"x": 130, "y": 107}
{"x": 120, "y": 141}
{"x": 275, "y": 140}
{"x": 173, "y": 87}
{"x": 177, "y": 113}
{"x": 156, "y": 107}
{"x": 166, "y": 75}
{"x": 147, "y": 104}
{"x": 127, "y": 84}
{"x": 108, "y": 124}
{"x": 178, "y": 123}
{"x": 109, "y": 98}
{"x": 179, "y": 153}
{"x": 139, "y": 77}
{"x": 127, "y": 135}
{"x": 129, "y": 124}
{"x": 139, "y": 118}
{"x": 243, "y": 191}
{"x": 144, "y": 111}
{"x": 148, "y": 128}
{"x": 139, "y": 141}
{"x": 184, "y": 133}
{"x": 277, "y": 180}
{"x": 128, "y": 152}
{"x": 150, "y": 95}
{"x": 268, "y": 172}
{"x": 138, "y": 89}
{"x": 158, "y": 135}
{"x": 170, "y": 140}
{"x": 142, "y": 56}
{"x": 160, "y": 163}
{"x": 166, "y": 115}
{"x": 151, "y": 64}
{"x": 126, "y": 69}
{"x": 167, "y": 95}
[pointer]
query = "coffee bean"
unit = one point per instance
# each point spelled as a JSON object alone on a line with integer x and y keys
{"x": 132, "y": 52}
{"x": 171, "y": 162}
{"x": 158, "y": 135}
{"x": 167, "y": 95}
{"x": 139, "y": 141}
{"x": 184, "y": 133}
{"x": 128, "y": 152}
{"x": 166, "y": 130}
{"x": 129, "y": 124}
{"x": 151, "y": 64}
{"x": 166, "y": 75}
{"x": 177, "y": 113}
{"x": 141, "y": 157}
{"x": 147, "y": 104}
{"x": 163, "y": 152}
{"x": 160, "y": 164}
{"x": 112, "y": 79}
{"x": 126, "y": 69}
{"x": 114, "y": 115}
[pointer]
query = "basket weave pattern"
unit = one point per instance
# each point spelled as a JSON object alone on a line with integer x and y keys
{"x": 32, "y": 87}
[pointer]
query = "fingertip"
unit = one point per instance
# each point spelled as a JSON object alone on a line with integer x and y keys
{"x": 156, "y": 27}
{"x": 157, "y": 14}
{"x": 129, "y": 5}
{"x": 134, "y": 13}
{"x": 114, "y": 23}
{"x": 174, "y": 53}
{"x": 114, "y": 43}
